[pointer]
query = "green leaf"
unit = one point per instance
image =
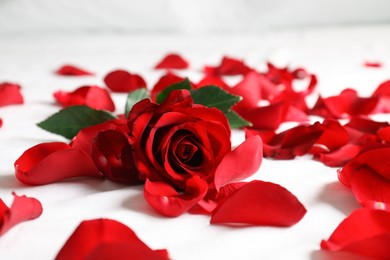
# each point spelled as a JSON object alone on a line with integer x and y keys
{"x": 236, "y": 121}
{"x": 212, "y": 96}
{"x": 69, "y": 121}
{"x": 185, "y": 84}
{"x": 134, "y": 97}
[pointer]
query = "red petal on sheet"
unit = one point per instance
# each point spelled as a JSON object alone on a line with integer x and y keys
{"x": 172, "y": 61}
{"x": 213, "y": 80}
{"x": 267, "y": 117}
{"x": 365, "y": 232}
{"x": 333, "y": 137}
{"x": 384, "y": 134}
{"x": 249, "y": 89}
{"x": 51, "y": 162}
{"x": 228, "y": 67}
{"x": 346, "y": 104}
{"x": 366, "y": 125}
{"x": 10, "y": 94}
{"x": 341, "y": 156}
{"x": 123, "y": 81}
{"x": 240, "y": 163}
{"x": 383, "y": 89}
{"x": 168, "y": 202}
{"x": 164, "y": 82}
{"x": 373, "y": 64}
{"x": 106, "y": 239}
{"x": 23, "y": 208}
{"x": 70, "y": 70}
{"x": 1, "y": 122}
{"x": 91, "y": 96}
{"x": 259, "y": 203}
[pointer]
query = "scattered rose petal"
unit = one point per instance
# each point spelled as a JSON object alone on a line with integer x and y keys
{"x": 172, "y": 61}
{"x": 164, "y": 82}
{"x": 10, "y": 94}
{"x": 168, "y": 202}
{"x": 259, "y": 203}
{"x": 91, "y": 96}
{"x": 365, "y": 232}
{"x": 249, "y": 89}
{"x": 341, "y": 156}
{"x": 50, "y": 162}
{"x": 228, "y": 67}
{"x": 266, "y": 117}
{"x": 23, "y": 208}
{"x": 373, "y": 64}
{"x": 70, "y": 70}
{"x": 240, "y": 163}
{"x": 368, "y": 175}
{"x": 346, "y": 104}
{"x": 213, "y": 80}
{"x": 107, "y": 239}
{"x": 123, "y": 81}
{"x": 1, "y": 122}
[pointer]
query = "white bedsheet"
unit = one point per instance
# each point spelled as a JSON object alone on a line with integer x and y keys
{"x": 335, "y": 55}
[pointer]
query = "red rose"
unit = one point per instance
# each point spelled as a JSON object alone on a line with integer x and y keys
{"x": 177, "y": 147}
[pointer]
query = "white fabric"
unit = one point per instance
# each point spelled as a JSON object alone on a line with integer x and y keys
{"x": 335, "y": 55}
{"x": 157, "y": 16}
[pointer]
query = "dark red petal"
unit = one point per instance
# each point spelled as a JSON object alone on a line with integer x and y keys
{"x": 240, "y": 163}
{"x": 372, "y": 64}
{"x": 99, "y": 237}
{"x": 123, "y": 81}
{"x": 164, "y": 82}
{"x": 50, "y": 162}
{"x": 260, "y": 203}
{"x": 168, "y": 202}
{"x": 172, "y": 61}
{"x": 10, "y": 94}
{"x": 1, "y": 122}
{"x": 23, "y": 208}
{"x": 70, "y": 70}
{"x": 365, "y": 232}
{"x": 111, "y": 150}
{"x": 91, "y": 96}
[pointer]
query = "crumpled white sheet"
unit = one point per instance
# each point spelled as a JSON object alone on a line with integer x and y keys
{"x": 335, "y": 55}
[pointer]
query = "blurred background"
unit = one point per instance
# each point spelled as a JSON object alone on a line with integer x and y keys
{"x": 185, "y": 16}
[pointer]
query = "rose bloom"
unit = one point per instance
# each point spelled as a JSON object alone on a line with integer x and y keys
{"x": 177, "y": 147}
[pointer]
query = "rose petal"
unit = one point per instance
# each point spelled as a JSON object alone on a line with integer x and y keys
{"x": 383, "y": 89}
{"x": 172, "y": 61}
{"x": 1, "y": 122}
{"x": 106, "y": 239}
{"x": 341, "y": 156}
{"x": 164, "y": 82}
{"x": 365, "y": 232}
{"x": 373, "y": 64}
{"x": 249, "y": 89}
{"x": 266, "y": 117}
{"x": 384, "y": 134}
{"x": 346, "y": 104}
{"x": 50, "y": 162}
{"x": 260, "y": 203}
{"x": 23, "y": 208}
{"x": 10, "y": 94}
{"x": 229, "y": 67}
{"x": 112, "y": 155}
{"x": 168, "y": 202}
{"x": 91, "y": 96}
{"x": 240, "y": 163}
{"x": 123, "y": 81}
{"x": 70, "y": 70}
{"x": 213, "y": 80}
